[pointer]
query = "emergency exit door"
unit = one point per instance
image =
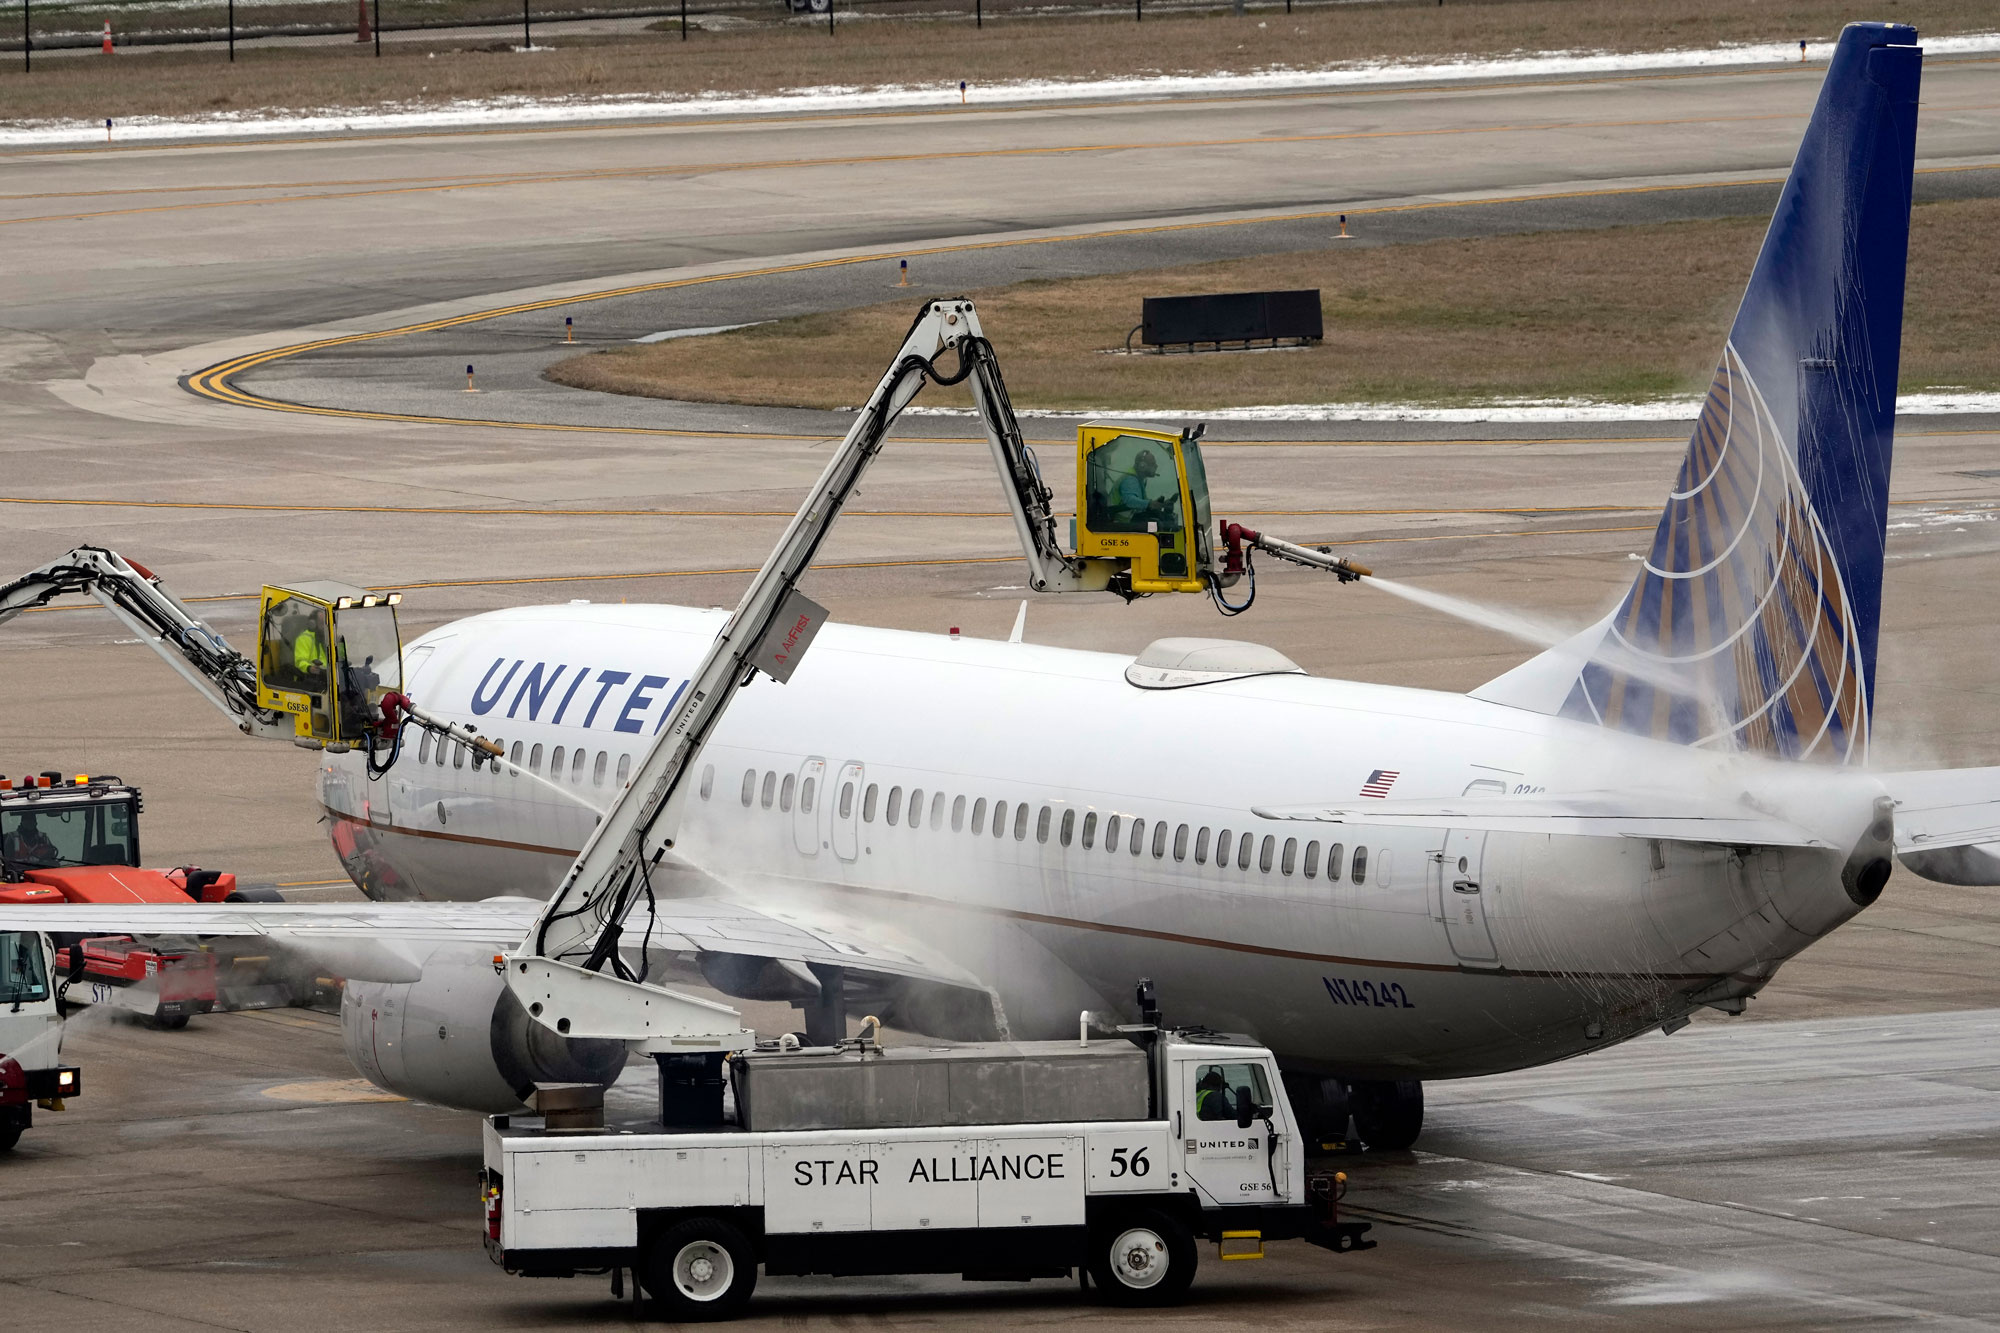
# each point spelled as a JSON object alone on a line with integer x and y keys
{"x": 843, "y": 810}
{"x": 1460, "y": 898}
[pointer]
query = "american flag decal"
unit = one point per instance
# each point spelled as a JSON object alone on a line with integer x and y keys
{"x": 1380, "y": 781}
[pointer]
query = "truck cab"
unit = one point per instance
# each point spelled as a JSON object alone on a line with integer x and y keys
{"x": 31, "y": 1027}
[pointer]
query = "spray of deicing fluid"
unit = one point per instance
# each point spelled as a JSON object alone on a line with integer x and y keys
{"x": 1608, "y": 653}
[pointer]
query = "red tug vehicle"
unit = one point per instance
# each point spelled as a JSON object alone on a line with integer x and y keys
{"x": 76, "y": 839}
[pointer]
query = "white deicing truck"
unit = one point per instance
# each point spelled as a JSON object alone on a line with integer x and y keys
{"x": 1107, "y": 1158}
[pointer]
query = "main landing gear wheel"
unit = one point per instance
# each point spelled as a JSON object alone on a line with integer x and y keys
{"x": 1143, "y": 1258}
{"x": 701, "y": 1269}
{"x": 1387, "y": 1116}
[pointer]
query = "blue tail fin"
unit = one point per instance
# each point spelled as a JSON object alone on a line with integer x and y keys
{"x": 1753, "y": 623}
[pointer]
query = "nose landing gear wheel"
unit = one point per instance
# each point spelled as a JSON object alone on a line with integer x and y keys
{"x": 701, "y": 1269}
{"x": 1143, "y": 1258}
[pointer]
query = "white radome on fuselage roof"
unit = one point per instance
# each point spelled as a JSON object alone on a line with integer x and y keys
{"x": 1584, "y": 939}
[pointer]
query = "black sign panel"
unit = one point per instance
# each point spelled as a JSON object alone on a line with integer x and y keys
{"x": 1231, "y": 317}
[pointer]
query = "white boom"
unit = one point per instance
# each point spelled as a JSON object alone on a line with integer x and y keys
{"x": 569, "y": 972}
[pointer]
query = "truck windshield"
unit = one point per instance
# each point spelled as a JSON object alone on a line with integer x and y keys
{"x": 369, "y": 653}
{"x": 40, "y": 836}
{"x": 24, "y": 979}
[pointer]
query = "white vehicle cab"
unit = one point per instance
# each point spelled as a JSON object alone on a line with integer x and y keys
{"x": 996, "y": 1160}
{"x": 31, "y": 1028}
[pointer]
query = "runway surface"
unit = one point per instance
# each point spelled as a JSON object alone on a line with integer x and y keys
{"x": 1826, "y": 1160}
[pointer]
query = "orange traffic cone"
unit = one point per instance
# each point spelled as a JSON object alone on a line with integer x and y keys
{"x": 107, "y": 37}
{"x": 362, "y": 32}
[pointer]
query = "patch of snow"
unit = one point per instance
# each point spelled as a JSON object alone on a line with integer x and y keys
{"x": 1518, "y": 410}
{"x": 668, "y": 335}
{"x": 498, "y": 111}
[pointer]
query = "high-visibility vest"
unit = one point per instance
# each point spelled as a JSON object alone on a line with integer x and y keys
{"x": 306, "y": 651}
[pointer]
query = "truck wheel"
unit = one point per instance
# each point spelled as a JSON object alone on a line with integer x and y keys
{"x": 701, "y": 1269}
{"x": 170, "y": 1022}
{"x": 9, "y": 1136}
{"x": 1143, "y": 1258}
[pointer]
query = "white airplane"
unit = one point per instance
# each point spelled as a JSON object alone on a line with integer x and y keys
{"x": 1384, "y": 885}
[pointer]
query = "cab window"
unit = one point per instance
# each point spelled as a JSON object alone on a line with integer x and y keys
{"x": 294, "y": 646}
{"x": 100, "y": 834}
{"x": 1218, "y": 1086}
{"x": 24, "y": 977}
{"x": 1133, "y": 486}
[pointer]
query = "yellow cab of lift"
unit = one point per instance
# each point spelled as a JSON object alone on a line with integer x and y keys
{"x": 1142, "y": 500}
{"x": 326, "y": 654}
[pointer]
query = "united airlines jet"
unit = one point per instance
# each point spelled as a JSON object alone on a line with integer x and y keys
{"x": 1385, "y": 885}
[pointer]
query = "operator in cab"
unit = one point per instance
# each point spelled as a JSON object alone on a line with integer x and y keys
{"x": 27, "y": 845}
{"x": 1137, "y": 506}
{"x": 1211, "y": 1096}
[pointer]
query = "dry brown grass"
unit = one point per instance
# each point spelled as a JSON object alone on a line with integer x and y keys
{"x": 1621, "y": 314}
{"x": 780, "y": 55}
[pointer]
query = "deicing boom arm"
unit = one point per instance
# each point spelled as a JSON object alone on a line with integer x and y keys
{"x": 136, "y": 596}
{"x": 576, "y": 939}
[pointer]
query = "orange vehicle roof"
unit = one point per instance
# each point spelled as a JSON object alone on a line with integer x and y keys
{"x": 109, "y": 884}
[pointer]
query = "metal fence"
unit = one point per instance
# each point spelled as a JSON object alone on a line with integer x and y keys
{"x": 48, "y": 25}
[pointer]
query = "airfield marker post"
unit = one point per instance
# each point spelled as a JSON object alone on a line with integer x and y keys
{"x": 1138, "y": 11}
{"x": 375, "y": 27}
{"x": 829, "y": 18}
{"x": 527, "y": 27}
{"x": 978, "y": 13}
{"x": 362, "y": 31}
{"x": 684, "y": 20}
{"x": 569, "y": 325}
{"x": 27, "y": 40}
{"x": 232, "y": 31}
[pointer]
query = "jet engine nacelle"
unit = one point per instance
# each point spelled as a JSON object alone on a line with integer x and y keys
{"x": 457, "y": 1037}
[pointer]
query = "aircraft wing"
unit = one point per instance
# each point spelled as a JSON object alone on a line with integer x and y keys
{"x": 1603, "y": 814}
{"x": 750, "y": 951}
{"x": 1948, "y": 823}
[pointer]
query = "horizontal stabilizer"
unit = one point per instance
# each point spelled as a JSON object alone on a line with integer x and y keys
{"x": 1600, "y": 814}
{"x": 1948, "y": 823}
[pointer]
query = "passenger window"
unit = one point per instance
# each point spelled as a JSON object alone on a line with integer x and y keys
{"x": 1382, "y": 867}
{"x": 749, "y": 782}
{"x": 1068, "y": 827}
{"x": 785, "y": 790}
{"x": 806, "y": 795}
{"x": 1180, "y": 843}
{"x": 846, "y": 800}
{"x": 1334, "y": 852}
{"x": 457, "y": 755}
{"x": 999, "y": 818}
{"x": 1159, "y": 840}
{"x": 1089, "y": 830}
{"x": 868, "y": 802}
{"x": 1042, "y": 825}
{"x": 957, "y": 813}
{"x": 1021, "y": 821}
{"x": 1265, "y": 853}
{"x": 1222, "y": 846}
{"x": 1201, "y": 848}
{"x": 576, "y": 761}
{"x": 442, "y": 746}
{"x": 1243, "y": 850}
{"x": 1138, "y": 835}
{"x": 535, "y": 766}
{"x": 1312, "y": 860}
{"x": 1111, "y": 827}
{"x": 514, "y": 756}
{"x": 979, "y": 816}
{"x": 424, "y": 749}
{"x": 1291, "y": 856}
{"x": 916, "y": 817}
{"x": 937, "y": 811}
{"x": 895, "y": 811}
{"x": 707, "y": 775}
{"x": 770, "y": 791}
{"x": 1360, "y": 865}
{"x": 597, "y": 770}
